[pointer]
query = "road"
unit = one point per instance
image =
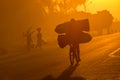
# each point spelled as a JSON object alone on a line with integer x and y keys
{"x": 99, "y": 62}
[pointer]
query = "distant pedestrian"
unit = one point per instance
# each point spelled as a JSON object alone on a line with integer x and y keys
{"x": 39, "y": 38}
{"x": 29, "y": 41}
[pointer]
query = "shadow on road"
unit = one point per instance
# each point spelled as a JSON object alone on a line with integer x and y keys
{"x": 66, "y": 75}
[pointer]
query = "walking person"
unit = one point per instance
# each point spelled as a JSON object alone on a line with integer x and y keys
{"x": 29, "y": 42}
{"x": 39, "y": 38}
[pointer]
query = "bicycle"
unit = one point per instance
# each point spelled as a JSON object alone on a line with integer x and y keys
{"x": 74, "y": 54}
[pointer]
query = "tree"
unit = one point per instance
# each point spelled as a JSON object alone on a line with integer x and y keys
{"x": 101, "y": 20}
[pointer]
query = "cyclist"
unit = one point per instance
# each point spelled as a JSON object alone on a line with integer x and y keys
{"x": 73, "y": 35}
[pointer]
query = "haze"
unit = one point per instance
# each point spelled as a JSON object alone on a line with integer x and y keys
{"x": 18, "y": 16}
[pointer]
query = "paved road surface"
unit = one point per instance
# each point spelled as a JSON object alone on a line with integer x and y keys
{"x": 99, "y": 62}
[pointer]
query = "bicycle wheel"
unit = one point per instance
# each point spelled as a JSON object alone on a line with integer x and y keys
{"x": 71, "y": 58}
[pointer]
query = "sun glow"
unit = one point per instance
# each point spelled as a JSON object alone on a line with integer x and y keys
{"x": 79, "y": 8}
{"x": 46, "y": 9}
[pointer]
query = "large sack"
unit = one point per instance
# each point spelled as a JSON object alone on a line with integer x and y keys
{"x": 84, "y": 25}
{"x": 62, "y": 41}
{"x": 62, "y": 28}
{"x": 81, "y": 25}
{"x": 84, "y": 37}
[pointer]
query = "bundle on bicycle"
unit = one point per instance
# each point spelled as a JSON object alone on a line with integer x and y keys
{"x": 73, "y": 33}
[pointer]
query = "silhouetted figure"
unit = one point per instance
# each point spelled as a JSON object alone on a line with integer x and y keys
{"x": 73, "y": 36}
{"x": 39, "y": 38}
{"x": 29, "y": 40}
{"x": 73, "y": 33}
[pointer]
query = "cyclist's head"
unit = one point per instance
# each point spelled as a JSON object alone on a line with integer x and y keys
{"x": 38, "y": 29}
{"x": 72, "y": 20}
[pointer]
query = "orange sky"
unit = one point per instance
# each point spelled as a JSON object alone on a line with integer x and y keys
{"x": 112, "y": 5}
